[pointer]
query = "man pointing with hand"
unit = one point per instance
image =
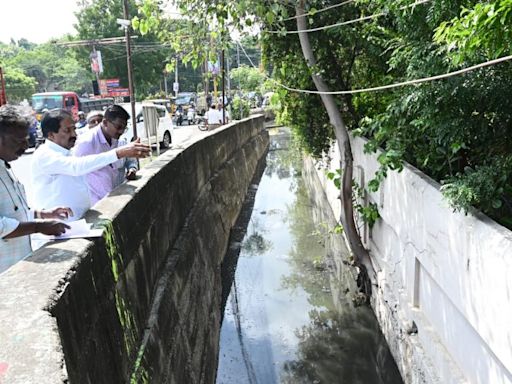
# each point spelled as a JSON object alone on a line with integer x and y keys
{"x": 59, "y": 177}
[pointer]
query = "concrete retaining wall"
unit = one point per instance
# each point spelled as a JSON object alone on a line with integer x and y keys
{"x": 444, "y": 273}
{"x": 141, "y": 304}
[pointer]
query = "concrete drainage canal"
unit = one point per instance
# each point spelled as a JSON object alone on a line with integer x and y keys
{"x": 290, "y": 313}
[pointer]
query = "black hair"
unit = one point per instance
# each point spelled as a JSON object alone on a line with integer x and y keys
{"x": 116, "y": 112}
{"x": 51, "y": 120}
{"x": 11, "y": 119}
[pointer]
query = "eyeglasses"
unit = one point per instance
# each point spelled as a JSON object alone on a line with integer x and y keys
{"x": 118, "y": 127}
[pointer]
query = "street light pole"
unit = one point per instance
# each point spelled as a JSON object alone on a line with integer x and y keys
{"x": 130, "y": 69}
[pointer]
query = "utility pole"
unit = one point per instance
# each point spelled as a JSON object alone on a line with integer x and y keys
{"x": 165, "y": 83}
{"x": 130, "y": 69}
{"x": 239, "y": 86}
{"x": 223, "y": 87}
{"x": 176, "y": 84}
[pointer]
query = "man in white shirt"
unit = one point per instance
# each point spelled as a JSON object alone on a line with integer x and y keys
{"x": 213, "y": 119}
{"x": 224, "y": 114}
{"x": 58, "y": 176}
{"x": 17, "y": 220}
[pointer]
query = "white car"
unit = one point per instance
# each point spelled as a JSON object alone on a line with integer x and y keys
{"x": 165, "y": 127}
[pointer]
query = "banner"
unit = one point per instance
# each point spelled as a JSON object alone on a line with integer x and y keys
{"x": 96, "y": 62}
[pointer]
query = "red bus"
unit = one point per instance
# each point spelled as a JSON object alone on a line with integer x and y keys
{"x": 66, "y": 100}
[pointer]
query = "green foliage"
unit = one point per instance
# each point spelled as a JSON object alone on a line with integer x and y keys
{"x": 441, "y": 127}
{"x": 335, "y": 177}
{"x": 50, "y": 66}
{"x": 486, "y": 186}
{"x": 369, "y": 214}
{"x": 18, "y": 85}
{"x": 484, "y": 30}
{"x": 240, "y": 108}
{"x": 96, "y": 20}
{"x": 248, "y": 78}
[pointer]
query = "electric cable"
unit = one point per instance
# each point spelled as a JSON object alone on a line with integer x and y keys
{"x": 389, "y": 86}
{"x": 364, "y": 18}
{"x": 319, "y": 10}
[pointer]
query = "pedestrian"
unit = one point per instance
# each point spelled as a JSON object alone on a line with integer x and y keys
{"x": 82, "y": 122}
{"x": 17, "y": 220}
{"x": 212, "y": 118}
{"x": 94, "y": 118}
{"x": 58, "y": 176}
{"x": 103, "y": 138}
{"x": 224, "y": 114}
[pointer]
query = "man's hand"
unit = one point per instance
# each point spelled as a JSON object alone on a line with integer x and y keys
{"x": 51, "y": 227}
{"x": 59, "y": 213}
{"x": 134, "y": 149}
{"x": 131, "y": 174}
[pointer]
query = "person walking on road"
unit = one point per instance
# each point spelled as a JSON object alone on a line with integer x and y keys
{"x": 58, "y": 176}
{"x": 213, "y": 118}
{"x": 17, "y": 220}
{"x": 103, "y": 138}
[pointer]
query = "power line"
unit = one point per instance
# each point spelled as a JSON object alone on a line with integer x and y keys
{"x": 390, "y": 86}
{"x": 319, "y": 10}
{"x": 374, "y": 16}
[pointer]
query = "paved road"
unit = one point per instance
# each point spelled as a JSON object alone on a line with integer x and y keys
{"x": 22, "y": 166}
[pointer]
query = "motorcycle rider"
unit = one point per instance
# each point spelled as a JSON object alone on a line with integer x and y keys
{"x": 179, "y": 115}
{"x": 82, "y": 121}
{"x": 191, "y": 114}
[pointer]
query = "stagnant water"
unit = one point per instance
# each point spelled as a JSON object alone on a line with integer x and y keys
{"x": 290, "y": 315}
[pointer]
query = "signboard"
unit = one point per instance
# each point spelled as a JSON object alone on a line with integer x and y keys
{"x": 119, "y": 92}
{"x": 214, "y": 68}
{"x": 112, "y": 83}
{"x": 176, "y": 86}
{"x": 96, "y": 62}
{"x": 103, "y": 87}
{"x": 110, "y": 87}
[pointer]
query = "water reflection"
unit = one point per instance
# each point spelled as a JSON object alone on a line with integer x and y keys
{"x": 289, "y": 317}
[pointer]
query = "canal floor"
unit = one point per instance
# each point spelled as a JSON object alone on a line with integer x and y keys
{"x": 289, "y": 316}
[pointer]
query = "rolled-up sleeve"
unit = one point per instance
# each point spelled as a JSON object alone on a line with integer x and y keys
{"x": 7, "y": 225}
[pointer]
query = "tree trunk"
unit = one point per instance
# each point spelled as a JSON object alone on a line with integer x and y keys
{"x": 361, "y": 256}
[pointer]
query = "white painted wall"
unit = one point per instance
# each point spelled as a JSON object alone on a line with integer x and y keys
{"x": 449, "y": 273}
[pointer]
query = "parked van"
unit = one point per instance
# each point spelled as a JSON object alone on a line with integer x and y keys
{"x": 165, "y": 127}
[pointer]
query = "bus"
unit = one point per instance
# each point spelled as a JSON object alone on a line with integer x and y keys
{"x": 68, "y": 101}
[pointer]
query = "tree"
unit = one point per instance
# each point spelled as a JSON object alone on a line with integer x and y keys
{"x": 52, "y": 67}
{"x": 18, "y": 85}
{"x": 97, "y": 20}
{"x": 249, "y": 79}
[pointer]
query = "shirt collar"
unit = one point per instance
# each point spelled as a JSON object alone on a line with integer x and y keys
{"x": 56, "y": 147}
{"x": 101, "y": 136}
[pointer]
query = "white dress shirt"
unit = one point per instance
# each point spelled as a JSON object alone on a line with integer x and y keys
{"x": 58, "y": 179}
{"x": 13, "y": 210}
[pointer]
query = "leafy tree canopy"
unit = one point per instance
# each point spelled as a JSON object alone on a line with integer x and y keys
{"x": 457, "y": 130}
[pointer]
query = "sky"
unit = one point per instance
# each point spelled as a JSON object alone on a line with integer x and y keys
{"x": 37, "y": 20}
{"x": 41, "y": 20}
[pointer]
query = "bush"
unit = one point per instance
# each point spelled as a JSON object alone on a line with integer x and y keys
{"x": 240, "y": 108}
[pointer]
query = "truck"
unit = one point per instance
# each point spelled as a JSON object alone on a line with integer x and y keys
{"x": 68, "y": 101}
{"x": 3, "y": 97}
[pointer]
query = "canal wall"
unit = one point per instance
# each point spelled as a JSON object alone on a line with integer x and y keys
{"x": 142, "y": 303}
{"x": 443, "y": 293}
